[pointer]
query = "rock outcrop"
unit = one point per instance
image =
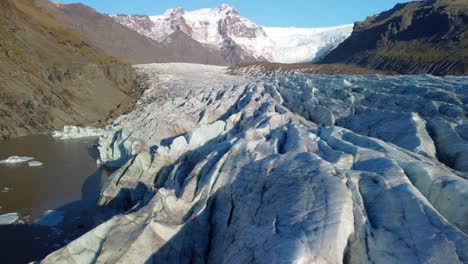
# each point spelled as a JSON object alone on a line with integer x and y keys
{"x": 418, "y": 37}
{"x": 217, "y": 168}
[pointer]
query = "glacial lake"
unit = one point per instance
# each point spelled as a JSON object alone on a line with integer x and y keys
{"x": 68, "y": 172}
{"x": 69, "y": 181}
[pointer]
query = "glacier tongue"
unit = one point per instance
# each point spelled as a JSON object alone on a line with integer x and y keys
{"x": 224, "y": 169}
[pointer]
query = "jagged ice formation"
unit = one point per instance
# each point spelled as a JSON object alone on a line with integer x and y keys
{"x": 291, "y": 168}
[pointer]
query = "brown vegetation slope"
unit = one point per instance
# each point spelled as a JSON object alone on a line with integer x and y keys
{"x": 51, "y": 76}
{"x": 418, "y": 37}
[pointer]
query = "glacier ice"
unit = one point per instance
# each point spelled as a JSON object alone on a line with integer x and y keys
{"x": 292, "y": 168}
{"x": 70, "y": 132}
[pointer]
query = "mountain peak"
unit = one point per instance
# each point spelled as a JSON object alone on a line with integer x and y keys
{"x": 176, "y": 11}
{"x": 227, "y": 9}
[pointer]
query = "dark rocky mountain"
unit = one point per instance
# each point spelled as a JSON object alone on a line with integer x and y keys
{"x": 417, "y": 37}
{"x": 186, "y": 49}
{"x": 175, "y": 27}
{"x": 52, "y": 76}
{"x": 126, "y": 44}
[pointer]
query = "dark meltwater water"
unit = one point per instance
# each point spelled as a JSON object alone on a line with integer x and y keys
{"x": 68, "y": 182}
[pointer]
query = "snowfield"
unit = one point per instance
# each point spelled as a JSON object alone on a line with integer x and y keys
{"x": 294, "y": 168}
{"x": 295, "y": 45}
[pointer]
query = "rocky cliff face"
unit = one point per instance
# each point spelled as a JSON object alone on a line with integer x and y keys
{"x": 52, "y": 76}
{"x": 294, "y": 168}
{"x": 418, "y": 37}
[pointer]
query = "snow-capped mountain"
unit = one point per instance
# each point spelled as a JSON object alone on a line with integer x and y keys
{"x": 237, "y": 38}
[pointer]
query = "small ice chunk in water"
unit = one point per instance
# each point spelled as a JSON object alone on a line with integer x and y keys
{"x": 50, "y": 218}
{"x": 6, "y": 189}
{"x": 9, "y": 218}
{"x": 35, "y": 163}
{"x": 15, "y": 159}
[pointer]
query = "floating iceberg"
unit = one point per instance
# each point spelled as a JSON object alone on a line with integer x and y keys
{"x": 15, "y": 159}
{"x": 6, "y": 189}
{"x": 35, "y": 163}
{"x": 9, "y": 218}
{"x": 70, "y": 132}
{"x": 51, "y": 218}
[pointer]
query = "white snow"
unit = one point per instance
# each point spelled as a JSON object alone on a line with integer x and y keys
{"x": 15, "y": 160}
{"x": 9, "y": 218}
{"x": 293, "y": 45}
{"x": 70, "y": 132}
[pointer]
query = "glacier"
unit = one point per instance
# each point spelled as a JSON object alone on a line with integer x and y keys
{"x": 283, "y": 168}
{"x": 71, "y": 132}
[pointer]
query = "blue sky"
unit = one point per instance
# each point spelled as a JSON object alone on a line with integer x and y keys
{"x": 290, "y": 13}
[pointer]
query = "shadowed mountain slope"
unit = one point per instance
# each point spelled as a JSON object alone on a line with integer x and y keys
{"x": 416, "y": 37}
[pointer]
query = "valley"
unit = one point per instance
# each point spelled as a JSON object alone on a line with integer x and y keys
{"x": 200, "y": 135}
